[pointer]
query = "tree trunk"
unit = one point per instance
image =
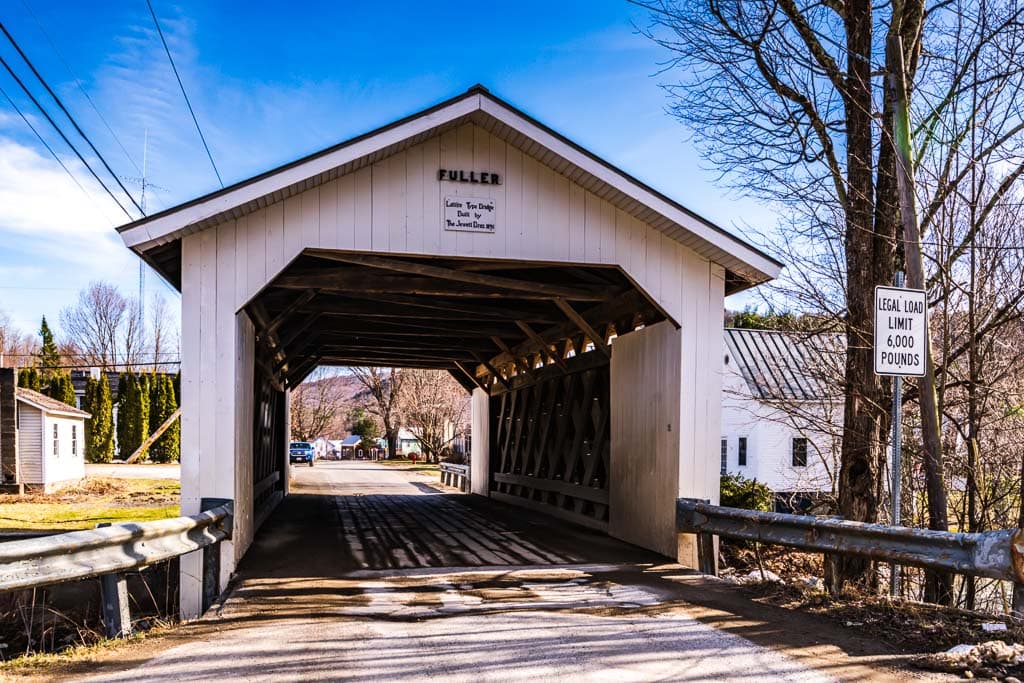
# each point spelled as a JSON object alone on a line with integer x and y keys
{"x": 392, "y": 435}
{"x": 938, "y": 585}
{"x": 865, "y": 424}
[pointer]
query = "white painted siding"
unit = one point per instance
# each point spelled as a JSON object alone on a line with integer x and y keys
{"x": 647, "y": 464}
{"x": 394, "y": 206}
{"x": 65, "y": 465}
{"x": 770, "y": 432}
{"x": 30, "y": 444}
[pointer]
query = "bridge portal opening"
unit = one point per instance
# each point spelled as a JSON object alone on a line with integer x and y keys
{"x": 531, "y": 341}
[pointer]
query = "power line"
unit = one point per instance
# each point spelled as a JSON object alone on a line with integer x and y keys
{"x": 62, "y": 135}
{"x": 48, "y": 149}
{"x": 71, "y": 118}
{"x": 78, "y": 83}
{"x": 183, "y": 93}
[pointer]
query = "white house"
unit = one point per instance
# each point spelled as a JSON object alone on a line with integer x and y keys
{"x": 51, "y": 441}
{"x": 782, "y": 409}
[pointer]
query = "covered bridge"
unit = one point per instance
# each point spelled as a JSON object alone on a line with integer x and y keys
{"x": 581, "y": 308}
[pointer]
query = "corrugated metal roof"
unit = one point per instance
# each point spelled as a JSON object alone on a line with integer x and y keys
{"x": 787, "y": 365}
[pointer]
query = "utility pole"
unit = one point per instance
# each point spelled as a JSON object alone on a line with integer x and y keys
{"x": 938, "y": 586}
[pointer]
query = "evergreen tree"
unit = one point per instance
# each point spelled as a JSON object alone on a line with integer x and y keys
{"x": 132, "y": 414}
{"x": 99, "y": 430}
{"x": 28, "y": 378}
{"x": 123, "y": 414}
{"x": 48, "y": 355}
{"x": 61, "y": 388}
{"x": 168, "y": 447}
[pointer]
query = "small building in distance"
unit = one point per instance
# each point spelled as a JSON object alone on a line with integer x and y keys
{"x": 782, "y": 411}
{"x": 51, "y": 441}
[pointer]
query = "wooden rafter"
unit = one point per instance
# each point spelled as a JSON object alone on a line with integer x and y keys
{"x": 576, "y": 293}
{"x": 543, "y": 346}
{"x": 289, "y": 310}
{"x": 490, "y": 368}
{"x": 585, "y": 327}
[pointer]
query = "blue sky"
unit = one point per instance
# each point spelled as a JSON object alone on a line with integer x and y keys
{"x": 270, "y": 84}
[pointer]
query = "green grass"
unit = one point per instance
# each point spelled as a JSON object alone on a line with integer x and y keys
{"x": 74, "y": 516}
{"x": 92, "y": 502}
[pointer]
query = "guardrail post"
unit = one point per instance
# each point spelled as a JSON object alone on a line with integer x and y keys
{"x": 211, "y": 559}
{"x": 117, "y": 618}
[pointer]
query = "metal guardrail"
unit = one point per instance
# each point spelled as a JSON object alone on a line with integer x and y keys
{"x": 455, "y": 475}
{"x": 110, "y": 551}
{"x": 990, "y": 554}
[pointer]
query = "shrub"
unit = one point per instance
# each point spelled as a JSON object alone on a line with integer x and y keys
{"x": 749, "y": 494}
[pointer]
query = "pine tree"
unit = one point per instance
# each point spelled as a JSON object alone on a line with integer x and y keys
{"x": 61, "y": 388}
{"x": 28, "y": 378}
{"x": 124, "y": 416}
{"x": 99, "y": 430}
{"x": 48, "y": 355}
{"x": 132, "y": 414}
{"x": 168, "y": 447}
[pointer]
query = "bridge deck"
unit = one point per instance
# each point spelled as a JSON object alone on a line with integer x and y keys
{"x": 368, "y": 573}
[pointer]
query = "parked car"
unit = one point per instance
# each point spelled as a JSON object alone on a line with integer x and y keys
{"x": 301, "y": 451}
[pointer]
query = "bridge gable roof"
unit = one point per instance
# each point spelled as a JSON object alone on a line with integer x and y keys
{"x": 156, "y": 237}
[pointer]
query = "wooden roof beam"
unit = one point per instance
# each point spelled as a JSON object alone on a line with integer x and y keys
{"x": 493, "y": 281}
{"x": 599, "y": 341}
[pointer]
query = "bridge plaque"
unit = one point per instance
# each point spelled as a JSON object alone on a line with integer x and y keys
{"x": 469, "y": 214}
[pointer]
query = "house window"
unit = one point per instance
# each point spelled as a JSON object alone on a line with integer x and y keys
{"x": 56, "y": 442}
{"x": 725, "y": 454}
{"x": 741, "y": 456}
{"x": 799, "y": 452}
{"x": 74, "y": 440}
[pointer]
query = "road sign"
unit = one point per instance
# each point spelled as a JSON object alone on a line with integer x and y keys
{"x": 901, "y": 331}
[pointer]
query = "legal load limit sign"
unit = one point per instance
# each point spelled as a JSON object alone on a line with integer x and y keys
{"x": 901, "y": 331}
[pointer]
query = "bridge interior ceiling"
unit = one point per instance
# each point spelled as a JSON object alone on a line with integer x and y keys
{"x": 491, "y": 324}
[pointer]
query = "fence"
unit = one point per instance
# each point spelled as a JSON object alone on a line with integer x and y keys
{"x": 455, "y": 475}
{"x": 990, "y": 554}
{"x": 108, "y": 552}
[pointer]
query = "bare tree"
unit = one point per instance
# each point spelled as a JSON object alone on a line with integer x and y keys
{"x": 106, "y": 327}
{"x": 316, "y": 406}
{"x": 385, "y": 387}
{"x": 787, "y": 98}
{"x": 164, "y": 340}
{"x": 16, "y": 347}
{"x": 435, "y": 407}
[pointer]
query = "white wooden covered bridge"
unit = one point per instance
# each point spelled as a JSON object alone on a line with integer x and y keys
{"x": 581, "y": 308}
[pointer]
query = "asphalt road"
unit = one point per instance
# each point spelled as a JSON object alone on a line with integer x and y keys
{"x": 368, "y": 573}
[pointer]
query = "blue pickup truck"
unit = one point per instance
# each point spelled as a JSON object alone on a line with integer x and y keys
{"x": 301, "y": 451}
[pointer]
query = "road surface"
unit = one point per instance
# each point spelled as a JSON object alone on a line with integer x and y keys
{"x": 369, "y": 573}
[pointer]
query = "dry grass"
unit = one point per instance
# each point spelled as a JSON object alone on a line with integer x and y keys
{"x": 95, "y": 500}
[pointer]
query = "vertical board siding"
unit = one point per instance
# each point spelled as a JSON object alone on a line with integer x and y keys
{"x": 645, "y": 436}
{"x": 395, "y": 206}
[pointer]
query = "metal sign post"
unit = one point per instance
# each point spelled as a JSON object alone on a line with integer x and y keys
{"x": 901, "y": 349}
{"x": 897, "y": 452}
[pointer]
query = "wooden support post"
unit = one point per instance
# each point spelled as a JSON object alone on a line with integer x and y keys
{"x": 153, "y": 437}
{"x": 706, "y": 560}
{"x": 117, "y": 619}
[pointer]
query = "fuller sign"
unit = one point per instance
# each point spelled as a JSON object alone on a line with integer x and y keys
{"x": 901, "y": 331}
